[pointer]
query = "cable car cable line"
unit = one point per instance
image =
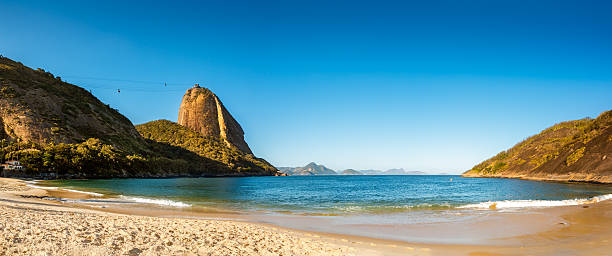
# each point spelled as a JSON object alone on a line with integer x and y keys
{"x": 129, "y": 80}
{"x": 129, "y": 86}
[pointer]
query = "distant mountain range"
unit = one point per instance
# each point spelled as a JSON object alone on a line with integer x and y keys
{"x": 309, "y": 169}
{"x": 399, "y": 171}
{"x": 350, "y": 172}
{"x": 316, "y": 169}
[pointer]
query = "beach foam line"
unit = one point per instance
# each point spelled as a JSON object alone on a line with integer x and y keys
{"x": 162, "y": 202}
{"x": 83, "y": 192}
{"x": 535, "y": 203}
{"x": 30, "y": 183}
{"x": 39, "y": 187}
{"x": 389, "y": 208}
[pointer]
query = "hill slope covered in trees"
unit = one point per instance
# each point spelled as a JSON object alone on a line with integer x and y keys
{"x": 579, "y": 150}
{"x": 54, "y": 127}
{"x": 214, "y": 148}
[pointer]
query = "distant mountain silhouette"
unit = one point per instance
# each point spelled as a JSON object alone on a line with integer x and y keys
{"x": 350, "y": 172}
{"x": 309, "y": 169}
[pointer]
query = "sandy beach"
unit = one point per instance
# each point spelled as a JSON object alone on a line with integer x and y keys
{"x": 32, "y": 225}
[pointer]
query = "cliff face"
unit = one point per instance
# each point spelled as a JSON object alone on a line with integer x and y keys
{"x": 37, "y": 107}
{"x": 202, "y": 111}
{"x": 579, "y": 150}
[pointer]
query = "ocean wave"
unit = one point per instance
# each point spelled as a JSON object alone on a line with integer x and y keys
{"x": 30, "y": 183}
{"x": 389, "y": 208}
{"x": 41, "y": 187}
{"x": 84, "y": 192}
{"x": 535, "y": 203}
{"x": 162, "y": 202}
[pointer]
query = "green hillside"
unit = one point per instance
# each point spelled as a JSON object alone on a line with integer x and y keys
{"x": 577, "y": 150}
{"x": 39, "y": 107}
{"x": 169, "y": 133}
{"x": 54, "y": 127}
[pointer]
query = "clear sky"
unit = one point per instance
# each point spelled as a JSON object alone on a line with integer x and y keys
{"x": 424, "y": 85}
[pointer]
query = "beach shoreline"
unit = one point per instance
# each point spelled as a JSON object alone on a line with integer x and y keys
{"x": 571, "y": 230}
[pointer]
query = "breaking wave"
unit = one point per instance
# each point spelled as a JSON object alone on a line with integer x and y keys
{"x": 162, "y": 202}
{"x": 84, "y": 192}
{"x": 31, "y": 184}
{"x": 535, "y": 203}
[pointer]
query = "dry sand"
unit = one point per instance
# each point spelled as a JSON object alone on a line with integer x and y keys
{"x": 34, "y": 226}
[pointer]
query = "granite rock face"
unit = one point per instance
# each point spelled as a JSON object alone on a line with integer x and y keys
{"x": 202, "y": 111}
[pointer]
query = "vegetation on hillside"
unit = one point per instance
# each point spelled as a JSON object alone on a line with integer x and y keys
{"x": 169, "y": 133}
{"x": 91, "y": 157}
{"x": 557, "y": 149}
{"x": 94, "y": 159}
{"x": 37, "y": 106}
{"x": 53, "y": 127}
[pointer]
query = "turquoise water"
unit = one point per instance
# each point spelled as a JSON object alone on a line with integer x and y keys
{"x": 342, "y": 194}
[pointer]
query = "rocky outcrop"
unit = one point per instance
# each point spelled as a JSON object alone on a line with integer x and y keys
{"x": 579, "y": 150}
{"x": 37, "y": 107}
{"x": 202, "y": 111}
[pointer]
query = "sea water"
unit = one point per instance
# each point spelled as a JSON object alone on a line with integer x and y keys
{"x": 428, "y": 208}
{"x": 343, "y": 195}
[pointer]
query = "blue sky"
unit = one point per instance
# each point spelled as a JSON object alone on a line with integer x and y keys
{"x": 428, "y": 85}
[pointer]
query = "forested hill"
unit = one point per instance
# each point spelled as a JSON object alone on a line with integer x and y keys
{"x": 579, "y": 150}
{"x": 38, "y": 107}
{"x": 59, "y": 129}
{"x": 169, "y": 133}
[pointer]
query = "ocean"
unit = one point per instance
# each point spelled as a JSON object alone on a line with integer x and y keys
{"x": 429, "y": 208}
{"x": 342, "y": 195}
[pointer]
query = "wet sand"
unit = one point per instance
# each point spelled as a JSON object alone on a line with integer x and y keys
{"x": 32, "y": 225}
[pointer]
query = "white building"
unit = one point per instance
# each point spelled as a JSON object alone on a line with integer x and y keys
{"x": 12, "y": 165}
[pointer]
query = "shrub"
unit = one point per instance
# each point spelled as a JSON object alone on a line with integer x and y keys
{"x": 575, "y": 156}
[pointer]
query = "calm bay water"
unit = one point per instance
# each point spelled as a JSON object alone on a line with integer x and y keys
{"x": 342, "y": 194}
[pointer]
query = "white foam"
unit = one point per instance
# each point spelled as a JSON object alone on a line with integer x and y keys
{"x": 84, "y": 192}
{"x": 163, "y": 202}
{"x": 603, "y": 197}
{"x": 30, "y": 183}
{"x": 40, "y": 187}
{"x": 536, "y": 203}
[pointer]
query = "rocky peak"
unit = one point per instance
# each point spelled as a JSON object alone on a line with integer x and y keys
{"x": 202, "y": 111}
{"x": 312, "y": 165}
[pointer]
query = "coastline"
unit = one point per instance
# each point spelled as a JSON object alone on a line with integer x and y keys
{"x": 583, "y": 178}
{"x": 33, "y": 225}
